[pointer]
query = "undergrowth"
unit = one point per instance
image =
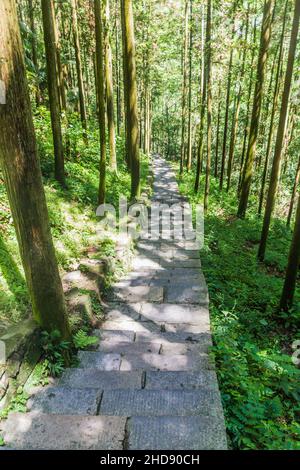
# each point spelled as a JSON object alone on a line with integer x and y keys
{"x": 260, "y": 385}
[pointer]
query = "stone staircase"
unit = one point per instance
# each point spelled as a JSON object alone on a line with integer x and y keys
{"x": 150, "y": 384}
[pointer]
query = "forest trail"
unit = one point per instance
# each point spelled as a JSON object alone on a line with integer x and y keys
{"x": 150, "y": 384}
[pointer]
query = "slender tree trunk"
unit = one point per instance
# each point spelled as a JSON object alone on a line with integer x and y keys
{"x": 132, "y": 111}
{"x": 288, "y": 292}
{"x": 227, "y": 105}
{"x": 218, "y": 132}
{"x": 275, "y": 173}
{"x": 273, "y": 112}
{"x": 59, "y": 70}
{"x": 209, "y": 102}
{"x": 125, "y": 86}
{"x": 118, "y": 73}
{"x": 101, "y": 99}
{"x": 237, "y": 107}
{"x": 82, "y": 105}
{"x": 51, "y": 59}
{"x": 184, "y": 85}
{"x": 294, "y": 192}
{"x": 23, "y": 179}
{"x": 109, "y": 88}
{"x": 189, "y": 144}
{"x": 34, "y": 51}
{"x": 261, "y": 66}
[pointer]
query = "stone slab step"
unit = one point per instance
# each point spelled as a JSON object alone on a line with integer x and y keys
{"x": 116, "y": 310}
{"x": 35, "y": 431}
{"x": 66, "y": 401}
{"x": 97, "y": 360}
{"x": 181, "y": 380}
{"x": 171, "y": 362}
{"x": 175, "y": 313}
{"x": 193, "y": 294}
{"x": 201, "y": 339}
{"x": 124, "y": 348}
{"x": 134, "y": 294}
{"x": 107, "y": 336}
{"x": 176, "y": 432}
{"x": 103, "y": 380}
{"x": 129, "y": 403}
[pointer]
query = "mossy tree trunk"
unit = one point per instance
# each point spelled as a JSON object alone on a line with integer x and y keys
{"x": 23, "y": 180}
{"x": 101, "y": 100}
{"x": 132, "y": 111}
{"x": 109, "y": 86}
{"x": 54, "y": 99}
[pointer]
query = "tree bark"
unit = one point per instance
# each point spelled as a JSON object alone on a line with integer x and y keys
{"x": 184, "y": 84}
{"x": 209, "y": 103}
{"x": 261, "y": 66}
{"x": 23, "y": 179}
{"x": 101, "y": 100}
{"x": 294, "y": 192}
{"x": 276, "y": 167}
{"x": 54, "y": 101}
{"x": 132, "y": 111}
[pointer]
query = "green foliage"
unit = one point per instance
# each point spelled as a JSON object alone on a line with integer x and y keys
{"x": 82, "y": 341}
{"x": 56, "y": 352}
{"x": 18, "y": 404}
{"x": 259, "y": 383}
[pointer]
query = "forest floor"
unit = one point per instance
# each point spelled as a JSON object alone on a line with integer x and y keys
{"x": 252, "y": 340}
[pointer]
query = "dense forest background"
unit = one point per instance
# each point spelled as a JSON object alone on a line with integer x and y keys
{"x": 214, "y": 87}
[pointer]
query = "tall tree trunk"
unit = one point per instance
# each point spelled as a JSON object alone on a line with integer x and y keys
{"x": 118, "y": 73}
{"x": 227, "y": 105}
{"x": 101, "y": 100}
{"x": 294, "y": 192}
{"x": 189, "y": 143}
{"x": 237, "y": 109}
{"x": 51, "y": 59}
{"x": 59, "y": 70}
{"x": 23, "y": 179}
{"x": 273, "y": 112}
{"x": 275, "y": 173}
{"x": 261, "y": 66}
{"x": 34, "y": 51}
{"x": 82, "y": 105}
{"x": 125, "y": 87}
{"x": 132, "y": 110}
{"x": 218, "y": 132}
{"x": 109, "y": 88}
{"x": 184, "y": 84}
{"x": 288, "y": 292}
{"x": 209, "y": 102}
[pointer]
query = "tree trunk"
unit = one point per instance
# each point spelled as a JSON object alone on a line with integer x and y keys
{"x": 288, "y": 292}
{"x": 125, "y": 86}
{"x": 109, "y": 88}
{"x": 132, "y": 111}
{"x": 82, "y": 105}
{"x": 51, "y": 59}
{"x": 209, "y": 102}
{"x": 34, "y": 51}
{"x": 189, "y": 143}
{"x": 275, "y": 173}
{"x": 23, "y": 179}
{"x": 184, "y": 85}
{"x": 101, "y": 99}
{"x": 218, "y": 132}
{"x": 274, "y": 108}
{"x": 261, "y": 66}
{"x": 294, "y": 192}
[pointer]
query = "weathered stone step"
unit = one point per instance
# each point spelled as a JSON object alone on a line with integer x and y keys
{"x": 175, "y": 313}
{"x": 95, "y": 378}
{"x": 176, "y": 432}
{"x": 105, "y": 336}
{"x": 129, "y": 403}
{"x": 123, "y": 348}
{"x": 172, "y": 362}
{"x": 144, "y": 263}
{"x": 97, "y": 360}
{"x": 193, "y": 294}
{"x": 66, "y": 401}
{"x": 133, "y": 294}
{"x": 201, "y": 339}
{"x": 181, "y": 380}
{"x": 35, "y": 431}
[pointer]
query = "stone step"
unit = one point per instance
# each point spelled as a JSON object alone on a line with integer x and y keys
{"x": 106, "y": 336}
{"x": 181, "y": 380}
{"x": 97, "y": 360}
{"x": 36, "y": 431}
{"x": 123, "y": 348}
{"x": 66, "y": 401}
{"x": 193, "y": 294}
{"x": 204, "y": 402}
{"x": 203, "y": 340}
{"x": 175, "y": 313}
{"x": 103, "y": 380}
{"x": 135, "y": 294}
{"x": 176, "y": 432}
{"x": 179, "y": 362}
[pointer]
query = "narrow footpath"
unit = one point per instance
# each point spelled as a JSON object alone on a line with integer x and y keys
{"x": 150, "y": 384}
